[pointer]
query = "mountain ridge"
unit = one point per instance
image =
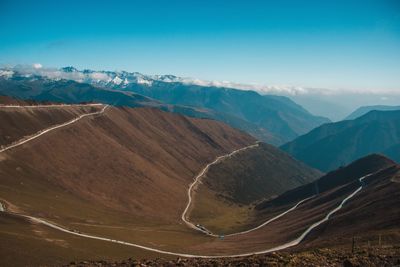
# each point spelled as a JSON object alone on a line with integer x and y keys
{"x": 365, "y": 109}
{"x": 273, "y": 119}
{"x": 331, "y": 145}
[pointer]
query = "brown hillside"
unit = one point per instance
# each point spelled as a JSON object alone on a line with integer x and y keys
{"x": 333, "y": 179}
{"x": 257, "y": 174}
{"x": 17, "y": 123}
{"x": 225, "y": 199}
{"x": 138, "y": 161}
{"x": 374, "y": 210}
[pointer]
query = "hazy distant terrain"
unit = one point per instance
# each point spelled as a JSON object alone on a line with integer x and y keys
{"x": 338, "y": 105}
{"x": 364, "y": 110}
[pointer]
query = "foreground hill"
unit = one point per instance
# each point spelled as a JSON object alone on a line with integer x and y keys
{"x": 333, "y": 145}
{"x": 126, "y": 152}
{"x": 375, "y": 256}
{"x": 343, "y": 208}
{"x": 365, "y": 109}
{"x": 225, "y": 199}
{"x": 373, "y": 211}
{"x": 122, "y": 175}
{"x": 333, "y": 179}
{"x": 18, "y": 123}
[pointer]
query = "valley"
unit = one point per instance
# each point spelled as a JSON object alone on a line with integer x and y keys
{"x": 164, "y": 216}
{"x": 199, "y": 133}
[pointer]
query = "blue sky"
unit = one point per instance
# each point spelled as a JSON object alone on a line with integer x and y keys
{"x": 328, "y": 44}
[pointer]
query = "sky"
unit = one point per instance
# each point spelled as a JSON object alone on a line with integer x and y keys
{"x": 346, "y": 45}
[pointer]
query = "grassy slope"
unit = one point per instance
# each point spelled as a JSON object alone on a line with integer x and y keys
{"x": 35, "y": 119}
{"x": 122, "y": 175}
{"x": 26, "y": 244}
{"x": 224, "y": 201}
{"x": 365, "y": 215}
{"x": 85, "y": 196}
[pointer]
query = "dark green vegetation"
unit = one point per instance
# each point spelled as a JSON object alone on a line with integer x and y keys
{"x": 336, "y": 144}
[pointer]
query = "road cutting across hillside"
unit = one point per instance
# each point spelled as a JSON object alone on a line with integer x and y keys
{"x": 184, "y": 214}
{"x": 42, "y": 132}
{"x": 51, "y": 105}
{"x": 277, "y": 248}
{"x": 203, "y": 172}
{"x": 197, "y": 180}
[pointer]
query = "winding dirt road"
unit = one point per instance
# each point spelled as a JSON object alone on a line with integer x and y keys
{"x": 277, "y": 248}
{"x": 40, "y": 133}
{"x": 184, "y": 214}
{"x": 51, "y": 106}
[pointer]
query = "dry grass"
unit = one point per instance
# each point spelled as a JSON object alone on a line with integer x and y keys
{"x": 219, "y": 216}
{"x": 26, "y": 244}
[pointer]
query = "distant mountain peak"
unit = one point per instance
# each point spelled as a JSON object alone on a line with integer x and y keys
{"x": 332, "y": 145}
{"x": 365, "y": 109}
{"x": 69, "y": 69}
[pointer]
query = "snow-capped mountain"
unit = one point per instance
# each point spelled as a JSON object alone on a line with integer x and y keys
{"x": 114, "y": 79}
{"x": 122, "y": 79}
{"x": 334, "y": 104}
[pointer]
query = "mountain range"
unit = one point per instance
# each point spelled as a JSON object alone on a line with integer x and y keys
{"x": 365, "y": 109}
{"x": 336, "y": 144}
{"x": 159, "y": 165}
{"x": 273, "y": 119}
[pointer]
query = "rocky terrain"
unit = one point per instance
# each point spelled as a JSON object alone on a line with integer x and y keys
{"x": 318, "y": 257}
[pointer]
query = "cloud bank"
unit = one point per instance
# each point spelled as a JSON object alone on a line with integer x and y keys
{"x": 71, "y": 73}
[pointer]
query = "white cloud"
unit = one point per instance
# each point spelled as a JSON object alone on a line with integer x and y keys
{"x": 99, "y": 76}
{"x": 6, "y": 73}
{"x": 289, "y": 90}
{"x": 284, "y": 89}
{"x": 37, "y": 66}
